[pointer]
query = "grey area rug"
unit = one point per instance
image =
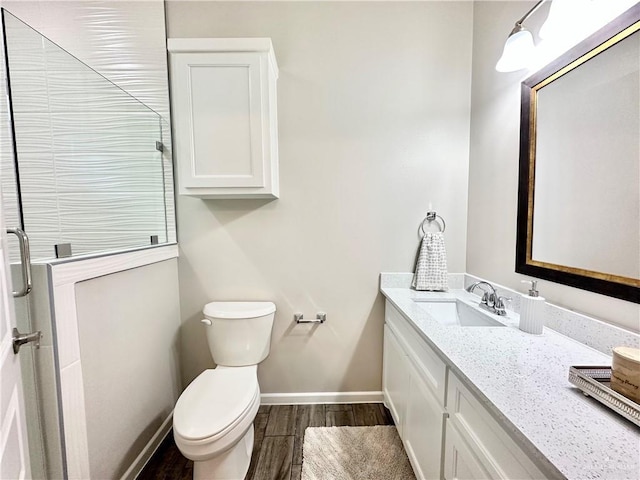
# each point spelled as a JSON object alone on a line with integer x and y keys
{"x": 354, "y": 453}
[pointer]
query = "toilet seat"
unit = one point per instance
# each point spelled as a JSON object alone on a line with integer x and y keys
{"x": 215, "y": 403}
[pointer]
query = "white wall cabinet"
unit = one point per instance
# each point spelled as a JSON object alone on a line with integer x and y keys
{"x": 224, "y": 108}
{"x": 461, "y": 441}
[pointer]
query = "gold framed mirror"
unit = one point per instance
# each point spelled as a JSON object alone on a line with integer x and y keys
{"x": 579, "y": 181}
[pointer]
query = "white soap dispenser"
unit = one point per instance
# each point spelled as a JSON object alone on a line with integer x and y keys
{"x": 532, "y": 310}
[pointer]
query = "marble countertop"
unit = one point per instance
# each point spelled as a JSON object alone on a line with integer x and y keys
{"x": 522, "y": 379}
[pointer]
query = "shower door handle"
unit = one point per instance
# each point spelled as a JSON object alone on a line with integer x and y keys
{"x": 25, "y": 259}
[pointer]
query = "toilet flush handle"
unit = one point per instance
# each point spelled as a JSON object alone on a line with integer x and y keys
{"x": 206, "y": 321}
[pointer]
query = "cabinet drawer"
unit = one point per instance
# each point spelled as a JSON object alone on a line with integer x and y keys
{"x": 432, "y": 368}
{"x": 491, "y": 444}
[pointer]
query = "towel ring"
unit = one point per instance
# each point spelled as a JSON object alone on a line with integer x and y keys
{"x": 431, "y": 217}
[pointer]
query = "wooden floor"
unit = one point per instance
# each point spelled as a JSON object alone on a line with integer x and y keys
{"x": 277, "y": 448}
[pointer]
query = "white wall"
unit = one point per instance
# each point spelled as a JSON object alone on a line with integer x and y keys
{"x": 129, "y": 352}
{"x": 123, "y": 41}
{"x": 373, "y": 111}
{"x": 493, "y": 170}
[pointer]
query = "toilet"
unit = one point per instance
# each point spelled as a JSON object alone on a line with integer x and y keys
{"x": 213, "y": 418}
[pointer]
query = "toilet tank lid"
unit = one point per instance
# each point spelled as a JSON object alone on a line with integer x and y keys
{"x": 238, "y": 309}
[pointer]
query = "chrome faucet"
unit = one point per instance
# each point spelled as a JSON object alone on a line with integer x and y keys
{"x": 490, "y": 300}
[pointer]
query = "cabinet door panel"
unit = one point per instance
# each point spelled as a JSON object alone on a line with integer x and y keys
{"x": 459, "y": 461}
{"x": 395, "y": 378}
{"x": 433, "y": 368}
{"x": 221, "y": 116}
{"x": 423, "y": 430}
{"x": 493, "y": 446}
{"x": 217, "y": 110}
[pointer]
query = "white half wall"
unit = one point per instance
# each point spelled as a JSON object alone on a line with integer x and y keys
{"x": 493, "y": 170}
{"x": 373, "y": 113}
{"x": 128, "y": 328}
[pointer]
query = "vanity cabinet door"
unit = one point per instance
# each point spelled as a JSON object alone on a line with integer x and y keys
{"x": 459, "y": 461}
{"x": 423, "y": 428}
{"x": 427, "y": 361}
{"x": 395, "y": 378}
{"x": 492, "y": 445}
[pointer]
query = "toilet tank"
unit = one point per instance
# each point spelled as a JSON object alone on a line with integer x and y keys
{"x": 239, "y": 333}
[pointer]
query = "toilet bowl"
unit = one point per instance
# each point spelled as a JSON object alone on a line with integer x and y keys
{"x": 213, "y": 421}
{"x": 213, "y": 418}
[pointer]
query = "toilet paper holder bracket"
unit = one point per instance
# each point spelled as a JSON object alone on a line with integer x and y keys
{"x": 321, "y": 317}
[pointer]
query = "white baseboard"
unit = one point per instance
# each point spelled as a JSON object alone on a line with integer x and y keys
{"x": 150, "y": 448}
{"x": 320, "y": 397}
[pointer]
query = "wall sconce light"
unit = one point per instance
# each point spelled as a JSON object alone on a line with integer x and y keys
{"x": 519, "y": 47}
{"x": 563, "y": 28}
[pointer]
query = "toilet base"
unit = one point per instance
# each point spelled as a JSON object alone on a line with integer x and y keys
{"x": 230, "y": 465}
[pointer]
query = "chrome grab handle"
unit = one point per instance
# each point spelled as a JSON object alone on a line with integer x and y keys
{"x": 20, "y": 339}
{"x": 25, "y": 258}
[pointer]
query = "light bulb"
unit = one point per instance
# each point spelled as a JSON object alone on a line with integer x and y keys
{"x": 517, "y": 53}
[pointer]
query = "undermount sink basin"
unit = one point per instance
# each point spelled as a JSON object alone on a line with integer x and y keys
{"x": 454, "y": 313}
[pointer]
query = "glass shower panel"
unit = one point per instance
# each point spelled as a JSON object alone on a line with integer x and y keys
{"x": 39, "y": 381}
{"x": 8, "y": 181}
{"x": 89, "y": 156}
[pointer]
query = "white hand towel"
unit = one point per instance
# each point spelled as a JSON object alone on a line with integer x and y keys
{"x": 431, "y": 265}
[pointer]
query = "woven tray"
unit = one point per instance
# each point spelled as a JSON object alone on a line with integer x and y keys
{"x": 595, "y": 382}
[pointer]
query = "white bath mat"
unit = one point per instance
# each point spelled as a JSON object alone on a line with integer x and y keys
{"x": 354, "y": 453}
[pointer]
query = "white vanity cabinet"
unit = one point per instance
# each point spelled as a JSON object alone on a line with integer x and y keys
{"x": 461, "y": 441}
{"x": 413, "y": 386}
{"x": 223, "y": 98}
